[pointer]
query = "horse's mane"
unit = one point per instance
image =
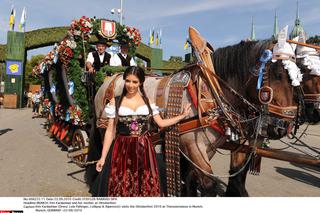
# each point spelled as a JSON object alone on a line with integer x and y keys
{"x": 237, "y": 61}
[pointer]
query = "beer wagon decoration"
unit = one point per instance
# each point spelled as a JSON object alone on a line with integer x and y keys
{"x": 67, "y": 87}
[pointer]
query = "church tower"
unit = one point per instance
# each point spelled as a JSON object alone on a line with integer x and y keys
{"x": 253, "y": 32}
{"x": 275, "y": 27}
{"x": 298, "y": 29}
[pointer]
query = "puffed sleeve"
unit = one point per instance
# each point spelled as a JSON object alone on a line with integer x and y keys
{"x": 110, "y": 111}
{"x": 155, "y": 109}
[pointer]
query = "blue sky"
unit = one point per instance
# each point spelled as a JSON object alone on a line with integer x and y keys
{"x": 221, "y": 22}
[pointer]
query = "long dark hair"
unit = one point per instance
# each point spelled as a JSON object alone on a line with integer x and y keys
{"x": 139, "y": 73}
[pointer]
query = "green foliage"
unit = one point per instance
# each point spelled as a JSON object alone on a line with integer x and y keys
{"x": 80, "y": 93}
{"x": 29, "y": 78}
{"x": 44, "y": 37}
{"x": 3, "y": 49}
{"x": 174, "y": 63}
{"x": 175, "y": 59}
{"x": 314, "y": 40}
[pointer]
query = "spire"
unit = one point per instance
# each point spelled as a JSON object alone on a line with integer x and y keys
{"x": 275, "y": 26}
{"x": 297, "y": 12}
{"x": 253, "y": 32}
{"x": 298, "y": 29}
{"x": 297, "y": 21}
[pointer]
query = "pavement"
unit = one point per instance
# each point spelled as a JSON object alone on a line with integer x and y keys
{"x": 31, "y": 163}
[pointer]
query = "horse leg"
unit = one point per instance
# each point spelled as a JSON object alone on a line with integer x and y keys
{"x": 236, "y": 185}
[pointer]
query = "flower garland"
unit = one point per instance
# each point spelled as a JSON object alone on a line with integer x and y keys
{"x": 73, "y": 115}
{"x": 130, "y": 36}
{"x": 70, "y": 50}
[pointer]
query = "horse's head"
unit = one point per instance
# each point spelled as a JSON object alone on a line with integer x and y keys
{"x": 265, "y": 73}
{"x": 276, "y": 86}
{"x": 308, "y": 60}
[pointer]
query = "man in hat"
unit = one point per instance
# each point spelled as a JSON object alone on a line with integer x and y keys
{"x": 98, "y": 58}
{"x": 123, "y": 58}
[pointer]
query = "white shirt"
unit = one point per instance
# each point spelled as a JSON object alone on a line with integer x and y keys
{"x": 116, "y": 61}
{"x": 91, "y": 59}
{"x": 110, "y": 111}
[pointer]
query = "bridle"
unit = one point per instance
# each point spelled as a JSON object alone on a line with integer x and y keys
{"x": 283, "y": 115}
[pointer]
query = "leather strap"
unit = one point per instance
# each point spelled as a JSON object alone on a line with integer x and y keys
{"x": 284, "y": 112}
{"x": 311, "y": 98}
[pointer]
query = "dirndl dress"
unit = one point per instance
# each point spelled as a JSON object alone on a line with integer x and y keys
{"x": 130, "y": 169}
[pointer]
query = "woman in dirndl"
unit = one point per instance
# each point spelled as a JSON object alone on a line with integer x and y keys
{"x": 127, "y": 166}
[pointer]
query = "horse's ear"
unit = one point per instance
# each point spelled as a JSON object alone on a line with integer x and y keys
{"x": 210, "y": 47}
{"x": 198, "y": 42}
{"x": 282, "y": 37}
{"x": 294, "y": 46}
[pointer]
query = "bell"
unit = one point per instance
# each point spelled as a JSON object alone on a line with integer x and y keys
{"x": 228, "y": 131}
{"x": 233, "y": 136}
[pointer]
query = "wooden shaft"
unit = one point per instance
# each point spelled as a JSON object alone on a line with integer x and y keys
{"x": 304, "y": 44}
{"x": 83, "y": 151}
{"x": 274, "y": 154}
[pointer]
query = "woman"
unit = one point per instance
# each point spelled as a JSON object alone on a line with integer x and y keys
{"x": 131, "y": 168}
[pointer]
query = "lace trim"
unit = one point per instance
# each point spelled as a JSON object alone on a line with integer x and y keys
{"x": 130, "y": 185}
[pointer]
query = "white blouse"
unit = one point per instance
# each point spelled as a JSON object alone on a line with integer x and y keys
{"x": 125, "y": 111}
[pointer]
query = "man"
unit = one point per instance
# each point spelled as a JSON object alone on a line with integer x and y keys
{"x": 29, "y": 102}
{"x": 98, "y": 58}
{"x": 36, "y": 103}
{"x": 122, "y": 58}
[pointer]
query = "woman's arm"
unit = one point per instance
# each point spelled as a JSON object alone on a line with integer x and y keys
{"x": 108, "y": 137}
{"x": 171, "y": 121}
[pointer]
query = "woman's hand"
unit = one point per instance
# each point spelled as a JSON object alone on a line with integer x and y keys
{"x": 100, "y": 164}
{"x": 186, "y": 110}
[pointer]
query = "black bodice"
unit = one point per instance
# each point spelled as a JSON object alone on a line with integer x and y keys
{"x": 133, "y": 124}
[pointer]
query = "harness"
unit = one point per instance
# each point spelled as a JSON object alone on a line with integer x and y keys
{"x": 284, "y": 115}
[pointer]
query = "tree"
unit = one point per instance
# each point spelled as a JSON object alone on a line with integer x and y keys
{"x": 314, "y": 40}
{"x": 177, "y": 59}
{"x": 29, "y": 78}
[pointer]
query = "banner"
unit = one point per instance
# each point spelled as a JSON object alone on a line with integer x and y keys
{"x": 13, "y": 67}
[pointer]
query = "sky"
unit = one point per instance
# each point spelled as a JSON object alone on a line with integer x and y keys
{"x": 222, "y": 23}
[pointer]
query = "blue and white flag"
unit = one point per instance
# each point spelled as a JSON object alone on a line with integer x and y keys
{"x": 22, "y": 25}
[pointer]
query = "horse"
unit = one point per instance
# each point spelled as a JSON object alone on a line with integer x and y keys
{"x": 238, "y": 65}
{"x": 308, "y": 60}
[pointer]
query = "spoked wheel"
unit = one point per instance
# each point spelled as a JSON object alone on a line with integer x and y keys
{"x": 79, "y": 145}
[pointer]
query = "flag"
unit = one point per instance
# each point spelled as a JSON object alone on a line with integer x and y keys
{"x": 186, "y": 44}
{"x": 12, "y": 17}
{"x": 160, "y": 36}
{"x": 157, "y": 39}
{"x": 150, "y": 34}
{"x": 22, "y": 24}
{"x": 152, "y": 37}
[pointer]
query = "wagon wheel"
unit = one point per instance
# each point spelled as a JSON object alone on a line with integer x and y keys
{"x": 79, "y": 141}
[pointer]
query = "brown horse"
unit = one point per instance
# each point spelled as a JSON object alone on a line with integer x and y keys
{"x": 238, "y": 65}
{"x": 308, "y": 60}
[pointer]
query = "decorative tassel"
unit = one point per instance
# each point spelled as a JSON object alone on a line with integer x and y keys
{"x": 255, "y": 164}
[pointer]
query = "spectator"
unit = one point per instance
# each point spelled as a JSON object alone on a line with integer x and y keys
{"x": 29, "y": 102}
{"x": 36, "y": 102}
